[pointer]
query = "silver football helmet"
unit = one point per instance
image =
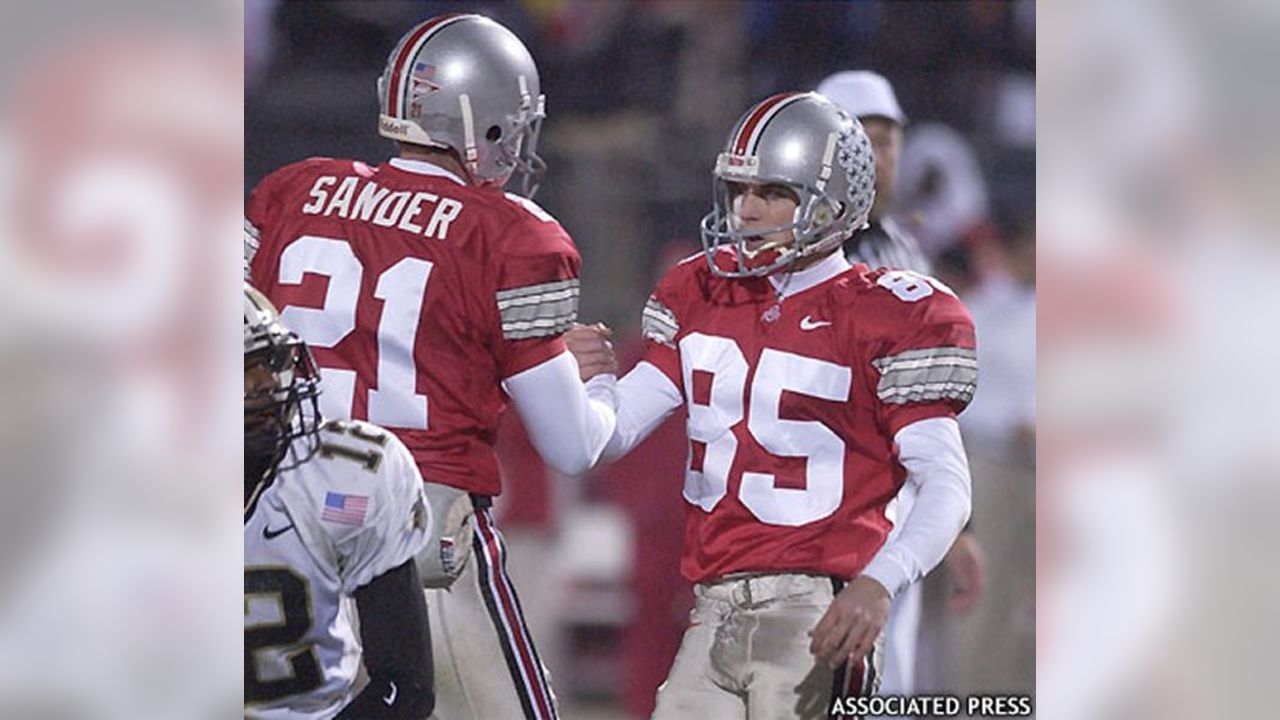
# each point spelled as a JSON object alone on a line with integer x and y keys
{"x": 465, "y": 83}
{"x": 807, "y": 143}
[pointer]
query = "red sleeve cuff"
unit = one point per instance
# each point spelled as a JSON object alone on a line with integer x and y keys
{"x": 667, "y": 360}
{"x": 901, "y": 416}
{"x": 524, "y": 354}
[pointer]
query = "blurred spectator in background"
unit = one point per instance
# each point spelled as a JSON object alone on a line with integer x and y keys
{"x": 258, "y": 38}
{"x": 954, "y": 267}
{"x": 870, "y": 98}
{"x": 1003, "y": 304}
{"x": 943, "y": 197}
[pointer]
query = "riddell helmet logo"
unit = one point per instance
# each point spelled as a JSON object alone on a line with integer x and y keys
{"x": 394, "y": 126}
{"x": 731, "y": 164}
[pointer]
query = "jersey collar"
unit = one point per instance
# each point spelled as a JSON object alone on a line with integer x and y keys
{"x": 790, "y": 283}
{"x": 422, "y": 167}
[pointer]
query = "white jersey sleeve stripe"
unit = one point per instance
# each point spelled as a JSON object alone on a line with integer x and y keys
{"x": 659, "y": 324}
{"x": 928, "y": 374}
{"x": 927, "y": 393}
{"x": 252, "y": 240}
{"x": 536, "y": 298}
{"x": 542, "y": 310}
{"x": 534, "y": 290}
{"x": 546, "y": 327}
{"x": 547, "y": 309}
{"x": 926, "y": 356}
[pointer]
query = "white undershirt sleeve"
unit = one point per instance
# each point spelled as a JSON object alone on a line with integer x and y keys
{"x": 933, "y": 455}
{"x": 645, "y": 397}
{"x": 568, "y": 428}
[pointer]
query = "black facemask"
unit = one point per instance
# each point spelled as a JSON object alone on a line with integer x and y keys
{"x": 277, "y": 416}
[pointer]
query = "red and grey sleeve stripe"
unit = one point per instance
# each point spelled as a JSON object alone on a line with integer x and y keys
{"x": 928, "y": 375}
{"x": 541, "y": 310}
{"x": 397, "y": 92}
{"x": 747, "y": 139}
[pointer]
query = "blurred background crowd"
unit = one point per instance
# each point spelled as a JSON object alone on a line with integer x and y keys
{"x": 640, "y": 97}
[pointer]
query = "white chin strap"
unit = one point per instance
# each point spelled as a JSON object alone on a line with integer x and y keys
{"x": 766, "y": 247}
{"x": 468, "y": 133}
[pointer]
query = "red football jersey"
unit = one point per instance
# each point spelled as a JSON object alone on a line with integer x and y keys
{"x": 418, "y": 294}
{"x": 793, "y": 406}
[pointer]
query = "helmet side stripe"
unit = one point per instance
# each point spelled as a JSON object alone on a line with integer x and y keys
{"x": 753, "y": 144}
{"x": 412, "y": 46}
{"x": 407, "y": 50}
{"x": 756, "y": 121}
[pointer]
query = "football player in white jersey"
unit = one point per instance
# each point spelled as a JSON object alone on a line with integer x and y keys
{"x": 334, "y": 512}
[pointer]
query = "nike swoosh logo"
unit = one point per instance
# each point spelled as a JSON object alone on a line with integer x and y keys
{"x": 808, "y": 323}
{"x": 390, "y": 699}
{"x": 268, "y": 533}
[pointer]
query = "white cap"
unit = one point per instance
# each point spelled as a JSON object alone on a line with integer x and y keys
{"x": 863, "y": 93}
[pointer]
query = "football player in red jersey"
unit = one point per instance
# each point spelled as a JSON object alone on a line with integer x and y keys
{"x": 814, "y": 389}
{"x": 429, "y": 297}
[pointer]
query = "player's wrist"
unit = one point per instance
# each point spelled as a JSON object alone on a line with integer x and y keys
{"x": 885, "y": 575}
{"x": 604, "y": 389}
{"x": 874, "y": 586}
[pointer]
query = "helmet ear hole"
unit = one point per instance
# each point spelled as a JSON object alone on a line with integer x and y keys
{"x": 494, "y": 133}
{"x": 826, "y": 212}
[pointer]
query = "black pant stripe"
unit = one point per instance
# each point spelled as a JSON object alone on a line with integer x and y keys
{"x": 495, "y": 617}
{"x": 533, "y": 649}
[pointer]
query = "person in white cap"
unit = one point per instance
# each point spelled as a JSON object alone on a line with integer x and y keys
{"x": 869, "y": 97}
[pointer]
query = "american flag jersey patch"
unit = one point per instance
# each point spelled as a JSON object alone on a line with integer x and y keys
{"x": 345, "y": 509}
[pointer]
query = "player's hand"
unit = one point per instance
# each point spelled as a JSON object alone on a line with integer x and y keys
{"x": 967, "y": 567}
{"x": 591, "y": 348}
{"x": 851, "y": 625}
